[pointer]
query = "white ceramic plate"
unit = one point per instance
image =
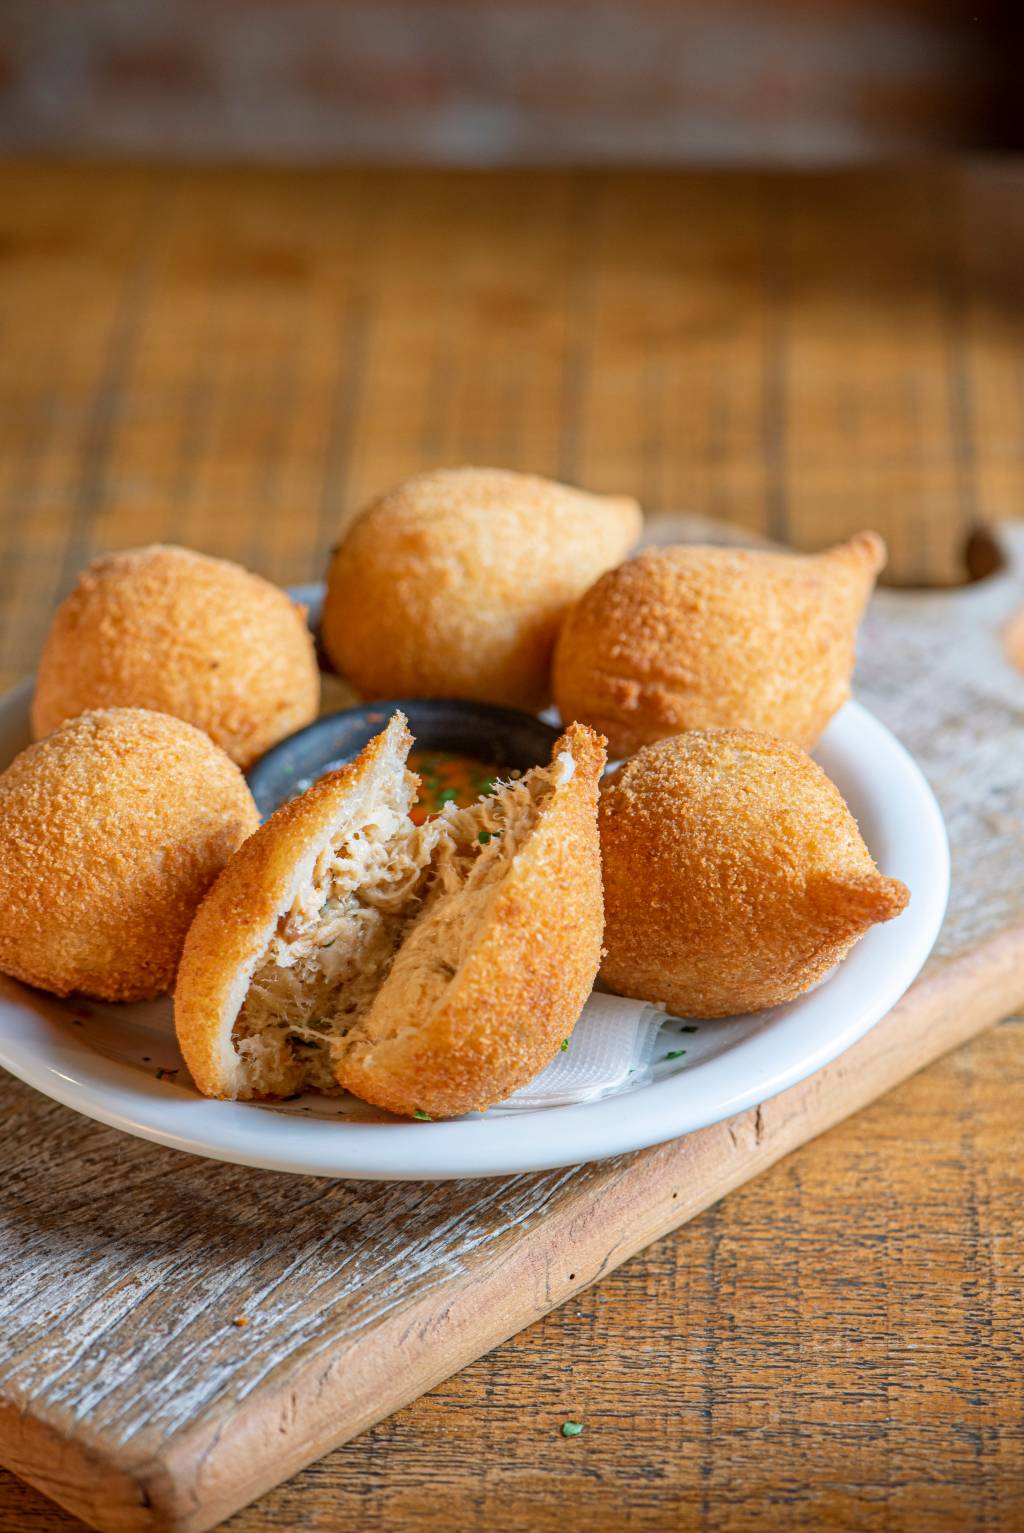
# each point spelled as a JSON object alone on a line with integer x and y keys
{"x": 120, "y": 1064}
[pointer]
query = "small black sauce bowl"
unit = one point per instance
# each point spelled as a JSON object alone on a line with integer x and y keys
{"x": 511, "y": 739}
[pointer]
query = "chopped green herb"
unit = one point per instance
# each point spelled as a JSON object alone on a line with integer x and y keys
{"x": 564, "y": 1045}
{"x": 424, "y": 1117}
{"x": 483, "y": 837}
{"x": 572, "y": 1428}
{"x": 675, "y": 1054}
{"x": 448, "y": 796}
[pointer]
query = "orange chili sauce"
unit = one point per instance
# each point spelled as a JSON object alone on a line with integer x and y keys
{"x": 448, "y": 778}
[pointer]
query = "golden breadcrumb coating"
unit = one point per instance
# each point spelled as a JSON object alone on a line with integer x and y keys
{"x": 455, "y": 583}
{"x": 111, "y": 831}
{"x": 430, "y": 969}
{"x": 523, "y": 970}
{"x": 735, "y": 876}
{"x": 690, "y": 637}
{"x": 178, "y": 632}
{"x": 250, "y": 900}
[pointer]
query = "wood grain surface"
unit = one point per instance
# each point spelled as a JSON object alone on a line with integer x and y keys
{"x": 237, "y": 361}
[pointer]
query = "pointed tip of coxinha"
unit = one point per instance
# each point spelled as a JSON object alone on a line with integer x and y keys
{"x": 865, "y": 549}
{"x": 860, "y": 898}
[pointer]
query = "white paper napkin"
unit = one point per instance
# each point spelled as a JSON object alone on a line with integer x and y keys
{"x": 613, "y": 1039}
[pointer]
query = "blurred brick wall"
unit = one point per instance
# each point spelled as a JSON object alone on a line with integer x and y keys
{"x": 498, "y": 81}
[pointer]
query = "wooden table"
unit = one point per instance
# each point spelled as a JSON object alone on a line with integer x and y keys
{"x": 237, "y": 360}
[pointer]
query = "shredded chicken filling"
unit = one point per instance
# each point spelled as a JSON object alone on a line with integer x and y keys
{"x": 336, "y": 944}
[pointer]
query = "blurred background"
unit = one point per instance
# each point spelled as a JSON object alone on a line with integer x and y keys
{"x": 498, "y": 82}
{"x": 260, "y": 259}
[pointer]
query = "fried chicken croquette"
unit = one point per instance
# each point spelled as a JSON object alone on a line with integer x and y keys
{"x": 111, "y": 831}
{"x": 455, "y": 583}
{"x": 430, "y": 969}
{"x": 178, "y": 632}
{"x": 690, "y": 637}
{"x": 735, "y": 876}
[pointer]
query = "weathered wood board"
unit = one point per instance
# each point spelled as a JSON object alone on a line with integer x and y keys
{"x": 128, "y": 1394}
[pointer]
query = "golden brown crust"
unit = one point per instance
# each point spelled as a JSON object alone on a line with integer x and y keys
{"x": 111, "y": 831}
{"x": 691, "y": 637}
{"x": 735, "y": 876}
{"x": 175, "y": 631}
{"x": 517, "y": 995}
{"x": 455, "y": 583}
{"x": 235, "y": 921}
{"x": 522, "y": 987}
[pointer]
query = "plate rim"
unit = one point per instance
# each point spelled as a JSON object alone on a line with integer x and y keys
{"x": 478, "y": 1147}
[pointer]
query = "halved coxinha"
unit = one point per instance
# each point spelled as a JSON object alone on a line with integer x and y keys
{"x": 429, "y": 969}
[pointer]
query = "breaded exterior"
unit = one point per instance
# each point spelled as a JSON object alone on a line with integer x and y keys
{"x": 175, "y": 631}
{"x": 521, "y": 988}
{"x": 503, "y": 1014}
{"x": 691, "y": 637}
{"x": 735, "y": 876}
{"x": 111, "y": 831}
{"x": 238, "y": 916}
{"x": 455, "y": 583}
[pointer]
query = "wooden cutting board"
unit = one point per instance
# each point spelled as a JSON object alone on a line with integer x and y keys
{"x": 129, "y": 1393}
